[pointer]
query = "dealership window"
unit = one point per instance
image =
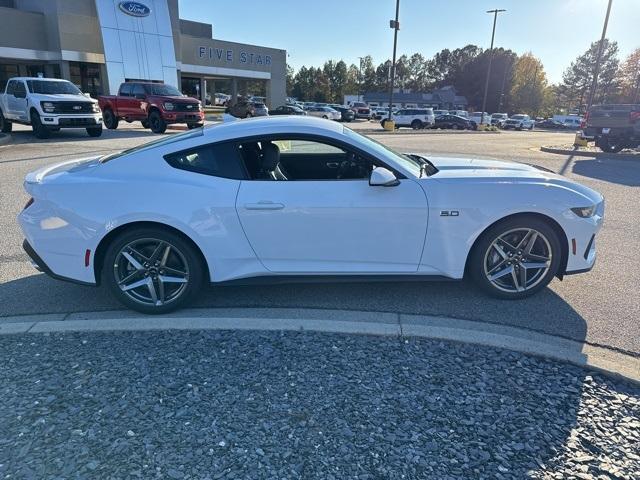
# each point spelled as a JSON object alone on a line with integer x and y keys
{"x": 86, "y": 76}
{"x": 190, "y": 86}
{"x": 6, "y": 72}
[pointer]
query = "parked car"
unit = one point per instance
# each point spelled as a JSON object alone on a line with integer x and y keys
{"x": 284, "y": 211}
{"x": 156, "y": 105}
{"x": 613, "y": 127}
{"x": 260, "y": 109}
{"x": 324, "y": 112}
{"x": 550, "y": 124}
{"x": 287, "y": 110}
{"x": 498, "y": 119}
{"x": 460, "y": 113}
{"x": 346, "y": 114}
{"x": 48, "y": 105}
{"x": 221, "y": 99}
{"x": 479, "y": 118}
{"x": 243, "y": 108}
{"x": 415, "y": 118}
{"x": 361, "y": 110}
{"x": 519, "y": 122}
{"x": 454, "y": 122}
{"x": 437, "y": 113}
{"x": 379, "y": 113}
{"x": 573, "y": 123}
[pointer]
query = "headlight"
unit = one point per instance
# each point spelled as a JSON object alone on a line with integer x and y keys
{"x": 48, "y": 107}
{"x": 200, "y": 107}
{"x": 168, "y": 106}
{"x": 585, "y": 212}
{"x": 95, "y": 107}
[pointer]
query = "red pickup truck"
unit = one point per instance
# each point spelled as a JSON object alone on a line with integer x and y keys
{"x": 156, "y": 105}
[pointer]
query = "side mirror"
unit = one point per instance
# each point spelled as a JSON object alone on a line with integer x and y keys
{"x": 20, "y": 94}
{"x": 381, "y": 177}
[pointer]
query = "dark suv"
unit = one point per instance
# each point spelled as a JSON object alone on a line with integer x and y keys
{"x": 613, "y": 127}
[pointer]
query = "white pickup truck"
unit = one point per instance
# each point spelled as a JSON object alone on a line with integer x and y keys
{"x": 48, "y": 104}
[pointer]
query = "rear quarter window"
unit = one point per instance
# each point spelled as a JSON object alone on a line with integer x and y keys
{"x": 217, "y": 160}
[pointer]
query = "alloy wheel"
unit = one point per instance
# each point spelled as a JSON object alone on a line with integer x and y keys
{"x": 151, "y": 272}
{"x": 518, "y": 260}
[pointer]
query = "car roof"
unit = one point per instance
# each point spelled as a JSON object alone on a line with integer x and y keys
{"x": 272, "y": 126}
{"x": 40, "y": 78}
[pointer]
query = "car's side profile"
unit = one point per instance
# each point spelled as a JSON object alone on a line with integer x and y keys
{"x": 298, "y": 196}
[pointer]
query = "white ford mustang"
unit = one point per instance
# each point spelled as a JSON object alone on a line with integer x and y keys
{"x": 299, "y": 197}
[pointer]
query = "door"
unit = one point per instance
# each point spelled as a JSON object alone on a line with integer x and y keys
{"x": 138, "y": 102}
{"x": 17, "y": 100}
{"x": 125, "y": 101}
{"x": 329, "y": 225}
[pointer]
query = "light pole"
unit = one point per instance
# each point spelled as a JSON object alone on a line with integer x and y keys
{"x": 360, "y": 78}
{"x": 486, "y": 83}
{"x": 395, "y": 24}
{"x": 596, "y": 70}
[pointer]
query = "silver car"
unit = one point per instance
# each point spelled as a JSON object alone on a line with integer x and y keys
{"x": 261, "y": 110}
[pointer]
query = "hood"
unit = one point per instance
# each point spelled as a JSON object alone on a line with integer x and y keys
{"x": 62, "y": 97}
{"x": 497, "y": 171}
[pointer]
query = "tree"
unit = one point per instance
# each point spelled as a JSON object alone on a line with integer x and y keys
{"x": 446, "y": 66}
{"x": 528, "y": 85}
{"x": 417, "y": 74}
{"x": 577, "y": 79}
{"x": 290, "y": 79}
{"x": 629, "y": 78}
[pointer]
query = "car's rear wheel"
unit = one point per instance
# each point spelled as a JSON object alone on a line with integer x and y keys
{"x": 515, "y": 258}
{"x": 144, "y": 123}
{"x": 110, "y": 120}
{"x": 610, "y": 145}
{"x": 152, "y": 270}
{"x": 39, "y": 130}
{"x": 156, "y": 122}
{"x": 5, "y": 125}
{"x": 416, "y": 124}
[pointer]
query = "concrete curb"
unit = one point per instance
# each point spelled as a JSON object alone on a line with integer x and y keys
{"x": 379, "y": 131}
{"x": 607, "y": 361}
{"x": 562, "y": 151}
{"x": 4, "y": 138}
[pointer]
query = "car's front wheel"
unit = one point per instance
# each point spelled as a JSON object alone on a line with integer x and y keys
{"x": 94, "y": 131}
{"x": 5, "y": 125}
{"x": 515, "y": 258}
{"x": 39, "y": 130}
{"x": 152, "y": 270}
{"x": 156, "y": 122}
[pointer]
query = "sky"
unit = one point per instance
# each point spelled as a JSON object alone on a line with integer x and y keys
{"x": 313, "y": 31}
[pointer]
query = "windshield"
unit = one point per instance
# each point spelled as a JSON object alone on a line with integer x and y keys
{"x": 178, "y": 137}
{"x": 407, "y": 162}
{"x": 163, "y": 90}
{"x": 48, "y": 87}
{"x": 518, "y": 117}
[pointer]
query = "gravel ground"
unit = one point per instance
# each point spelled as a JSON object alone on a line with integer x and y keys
{"x": 593, "y": 149}
{"x": 208, "y": 405}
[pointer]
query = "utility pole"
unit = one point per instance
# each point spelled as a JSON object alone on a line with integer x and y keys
{"x": 486, "y": 83}
{"x": 395, "y": 24}
{"x": 360, "y": 78}
{"x": 596, "y": 70}
{"x": 504, "y": 79}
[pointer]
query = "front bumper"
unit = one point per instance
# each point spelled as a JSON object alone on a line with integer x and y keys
{"x": 183, "y": 117}
{"x": 581, "y": 235}
{"x": 71, "y": 121}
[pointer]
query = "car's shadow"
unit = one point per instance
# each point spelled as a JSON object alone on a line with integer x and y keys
{"x": 518, "y": 449}
{"x": 610, "y": 169}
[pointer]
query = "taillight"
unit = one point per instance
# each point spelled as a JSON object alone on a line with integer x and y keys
{"x": 29, "y": 203}
{"x": 634, "y": 116}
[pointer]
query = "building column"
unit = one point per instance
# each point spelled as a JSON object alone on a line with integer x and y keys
{"x": 234, "y": 91}
{"x": 203, "y": 91}
{"x": 65, "y": 71}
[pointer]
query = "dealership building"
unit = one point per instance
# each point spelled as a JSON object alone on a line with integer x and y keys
{"x": 98, "y": 44}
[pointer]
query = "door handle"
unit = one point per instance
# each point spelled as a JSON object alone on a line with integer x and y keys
{"x": 333, "y": 164}
{"x": 264, "y": 205}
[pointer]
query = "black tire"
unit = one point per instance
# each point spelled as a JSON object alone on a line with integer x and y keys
{"x": 416, "y": 124}
{"x": 191, "y": 126}
{"x": 110, "y": 120}
{"x": 454, "y": 126}
{"x": 186, "y": 292}
{"x": 483, "y": 248}
{"x": 145, "y": 123}
{"x": 156, "y": 122}
{"x": 5, "y": 125}
{"x": 248, "y": 115}
{"x": 39, "y": 130}
{"x": 325, "y": 117}
{"x": 610, "y": 145}
{"x": 94, "y": 131}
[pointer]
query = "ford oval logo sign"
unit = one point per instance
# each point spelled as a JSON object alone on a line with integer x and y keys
{"x": 135, "y": 9}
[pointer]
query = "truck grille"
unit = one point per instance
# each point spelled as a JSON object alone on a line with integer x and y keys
{"x": 73, "y": 107}
{"x": 185, "y": 107}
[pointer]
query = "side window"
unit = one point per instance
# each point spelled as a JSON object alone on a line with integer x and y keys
{"x": 19, "y": 88}
{"x": 125, "y": 90}
{"x": 301, "y": 159}
{"x": 218, "y": 160}
{"x": 138, "y": 89}
{"x": 11, "y": 87}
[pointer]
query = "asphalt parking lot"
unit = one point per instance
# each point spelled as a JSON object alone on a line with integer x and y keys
{"x": 601, "y": 307}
